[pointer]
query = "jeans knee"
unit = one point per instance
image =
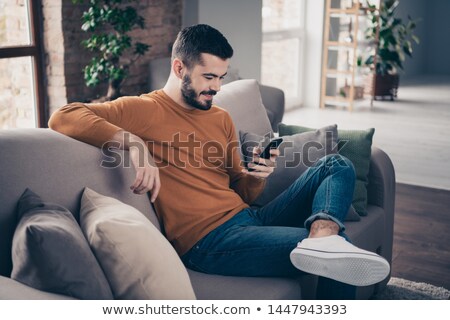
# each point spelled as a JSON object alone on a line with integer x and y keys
{"x": 337, "y": 160}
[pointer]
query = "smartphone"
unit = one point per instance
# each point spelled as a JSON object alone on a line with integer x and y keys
{"x": 265, "y": 154}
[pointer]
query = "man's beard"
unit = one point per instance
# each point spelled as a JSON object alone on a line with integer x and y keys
{"x": 191, "y": 97}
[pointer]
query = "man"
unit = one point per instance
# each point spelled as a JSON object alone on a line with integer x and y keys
{"x": 203, "y": 202}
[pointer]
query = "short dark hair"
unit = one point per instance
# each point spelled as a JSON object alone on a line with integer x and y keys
{"x": 192, "y": 41}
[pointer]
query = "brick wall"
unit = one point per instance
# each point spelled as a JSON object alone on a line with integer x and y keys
{"x": 65, "y": 57}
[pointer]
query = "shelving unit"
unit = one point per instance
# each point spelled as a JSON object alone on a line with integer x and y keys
{"x": 345, "y": 82}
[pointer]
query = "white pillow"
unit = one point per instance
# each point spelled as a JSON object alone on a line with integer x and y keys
{"x": 136, "y": 258}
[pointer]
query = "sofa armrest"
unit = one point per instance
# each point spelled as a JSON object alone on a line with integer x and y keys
{"x": 273, "y": 101}
{"x": 381, "y": 192}
{"x": 14, "y": 290}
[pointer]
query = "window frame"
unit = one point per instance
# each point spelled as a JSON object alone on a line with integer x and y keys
{"x": 35, "y": 51}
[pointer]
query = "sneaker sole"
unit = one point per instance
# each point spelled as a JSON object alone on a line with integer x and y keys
{"x": 358, "y": 269}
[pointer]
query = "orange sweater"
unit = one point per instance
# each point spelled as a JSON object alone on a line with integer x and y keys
{"x": 202, "y": 185}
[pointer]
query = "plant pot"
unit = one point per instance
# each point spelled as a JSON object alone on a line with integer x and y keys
{"x": 358, "y": 92}
{"x": 386, "y": 86}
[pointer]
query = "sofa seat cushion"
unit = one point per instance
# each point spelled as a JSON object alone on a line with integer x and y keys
{"x": 138, "y": 261}
{"x": 14, "y": 290}
{"x": 216, "y": 287}
{"x": 50, "y": 253}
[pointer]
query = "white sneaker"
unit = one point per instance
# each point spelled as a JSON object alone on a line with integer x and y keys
{"x": 335, "y": 258}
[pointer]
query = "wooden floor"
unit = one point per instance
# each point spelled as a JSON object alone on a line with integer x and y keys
{"x": 422, "y": 235}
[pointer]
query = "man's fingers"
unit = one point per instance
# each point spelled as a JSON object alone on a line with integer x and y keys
{"x": 156, "y": 188}
{"x": 274, "y": 154}
{"x": 147, "y": 180}
{"x": 265, "y": 162}
{"x": 138, "y": 180}
{"x": 256, "y": 151}
{"x": 258, "y": 174}
{"x": 260, "y": 167}
{"x": 146, "y": 184}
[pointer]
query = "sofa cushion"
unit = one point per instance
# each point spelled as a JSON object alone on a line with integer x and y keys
{"x": 242, "y": 99}
{"x": 355, "y": 145}
{"x": 138, "y": 261}
{"x": 218, "y": 287}
{"x": 297, "y": 153}
{"x": 50, "y": 253}
{"x": 14, "y": 290}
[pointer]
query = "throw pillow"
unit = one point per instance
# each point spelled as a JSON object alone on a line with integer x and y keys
{"x": 356, "y": 145}
{"x": 50, "y": 253}
{"x": 242, "y": 99}
{"x": 138, "y": 261}
{"x": 297, "y": 153}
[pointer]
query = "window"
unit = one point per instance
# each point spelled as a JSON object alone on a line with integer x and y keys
{"x": 282, "y": 47}
{"x": 21, "y": 80}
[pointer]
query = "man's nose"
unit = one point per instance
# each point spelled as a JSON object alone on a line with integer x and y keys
{"x": 216, "y": 84}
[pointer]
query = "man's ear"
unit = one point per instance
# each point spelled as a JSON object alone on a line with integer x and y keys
{"x": 178, "y": 68}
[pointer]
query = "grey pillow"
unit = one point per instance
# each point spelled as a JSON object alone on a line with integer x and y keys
{"x": 50, "y": 253}
{"x": 297, "y": 153}
{"x": 242, "y": 99}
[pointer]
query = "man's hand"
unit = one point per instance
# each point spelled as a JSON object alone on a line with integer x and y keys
{"x": 263, "y": 167}
{"x": 147, "y": 173}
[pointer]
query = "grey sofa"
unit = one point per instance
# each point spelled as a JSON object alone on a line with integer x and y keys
{"x": 58, "y": 168}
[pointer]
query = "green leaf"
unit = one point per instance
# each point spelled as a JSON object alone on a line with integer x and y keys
{"x": 369, "y": 60}
{"x": 108, "y": 22}
{"x": 407, "y": 48}
{"x": 141, "y": 48}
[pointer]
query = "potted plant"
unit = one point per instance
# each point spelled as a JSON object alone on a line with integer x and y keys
{"x": 395, "y": 42}
{"x": 109, "y": 22}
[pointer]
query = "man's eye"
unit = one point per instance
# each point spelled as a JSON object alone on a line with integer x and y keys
{"x": 209, "y": 78}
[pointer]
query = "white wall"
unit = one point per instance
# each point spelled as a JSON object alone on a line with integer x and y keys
{"x": 315, "y": 12}
{"x": 416, "y": 9}
{"x": 431, "y": 56}
{"x": 437, "y": 53}
{"x": 240, "y": 22}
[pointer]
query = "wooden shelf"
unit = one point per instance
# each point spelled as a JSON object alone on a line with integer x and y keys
{"x": 351, "y": 51}
{"x": 332, "y": 73}
{"x": 339, "y": 44}
{"x": 343, "y": 11}
{"x": 343, "y": 45}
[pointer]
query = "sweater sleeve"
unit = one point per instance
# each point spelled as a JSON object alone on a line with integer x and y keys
{"x": 96, "y": 123}
{"x": 247, "y": 186}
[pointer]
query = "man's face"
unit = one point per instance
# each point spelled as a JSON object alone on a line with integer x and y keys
{"x": 200, "y": 84}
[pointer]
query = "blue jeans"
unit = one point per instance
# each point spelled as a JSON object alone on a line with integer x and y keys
{"x": 258, "y": 241}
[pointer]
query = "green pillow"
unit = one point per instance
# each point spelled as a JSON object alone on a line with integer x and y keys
{"x": 356, "y": 145}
